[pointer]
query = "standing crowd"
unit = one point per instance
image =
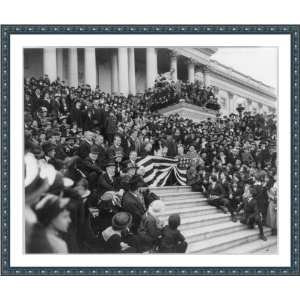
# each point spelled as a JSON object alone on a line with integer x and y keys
{"x": 85, "y": 193}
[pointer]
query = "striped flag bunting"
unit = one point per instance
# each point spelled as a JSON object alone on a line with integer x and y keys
{"x": 158, "y": 169}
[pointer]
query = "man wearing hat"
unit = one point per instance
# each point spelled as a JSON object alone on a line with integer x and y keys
{"x": 133, "y": 202}
{"x": 89, "y": 166}
{"x": 111, "y": 237}
{"x": 107, "y": 180}
{"x": 252, "y": 212}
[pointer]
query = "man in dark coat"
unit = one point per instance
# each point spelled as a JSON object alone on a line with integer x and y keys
{"x": 111, "y": 127}
{"x": 87, "y": 120}
{"x": 102, "y": 156}
{"x": 261, "y": 195}
{"x": 76, "y": 114}
{"x": 133, "y": 203}
{"x": 252, "y": 212}
{"x": 172, "y": 146}
{"x": 90, "y": 167}
{"x": 85, "y": 145}
{"x": 107, "y": 181}
{"x": 98, "y": 116}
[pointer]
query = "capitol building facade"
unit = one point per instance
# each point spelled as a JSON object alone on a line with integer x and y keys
{"x": 124, "y": 71}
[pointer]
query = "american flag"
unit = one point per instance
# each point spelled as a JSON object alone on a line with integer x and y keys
{"x": 158, "y": 169}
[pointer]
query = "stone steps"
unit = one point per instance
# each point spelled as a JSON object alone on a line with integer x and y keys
{"x": 181, "y": 195}
{"x": 172, "y": 189}
{"x": 225, "y": 242}
{"x": 206, "y": 229}
{"x": 188, "y": 222}
{"x": 184, "y": 202}
{"x": 207, "y": 232}
{"x": 256, "y": 247}
{"x": 192, "y": 211}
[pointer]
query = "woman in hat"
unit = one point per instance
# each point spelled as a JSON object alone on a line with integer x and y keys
{"x": 150, "y": 228}
{"x": 54, "y": 217}
{"x": 111, "y": 237}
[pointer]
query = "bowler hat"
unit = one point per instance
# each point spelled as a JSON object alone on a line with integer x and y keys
{"x": 121, "y": 220}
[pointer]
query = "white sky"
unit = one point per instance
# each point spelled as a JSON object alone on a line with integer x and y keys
{"x": 257, "y": 62}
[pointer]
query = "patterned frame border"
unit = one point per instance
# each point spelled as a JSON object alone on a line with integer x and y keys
{"x": 6, "y": 30}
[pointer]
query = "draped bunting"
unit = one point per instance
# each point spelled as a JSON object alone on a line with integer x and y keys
{"x": 158, "y": 170}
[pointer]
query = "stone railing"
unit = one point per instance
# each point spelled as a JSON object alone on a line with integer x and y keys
{"x": 189, "y": 111}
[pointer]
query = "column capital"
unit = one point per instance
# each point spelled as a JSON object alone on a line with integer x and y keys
{"x": 230, "y": 95}
{"x": 191, "y": 61}
{"x": 173, "y": 53}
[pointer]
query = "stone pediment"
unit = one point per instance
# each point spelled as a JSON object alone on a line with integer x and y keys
{"x": 189, "y": 111}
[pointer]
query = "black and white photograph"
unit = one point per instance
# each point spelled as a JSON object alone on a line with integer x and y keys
{"x": 150, "y": 150}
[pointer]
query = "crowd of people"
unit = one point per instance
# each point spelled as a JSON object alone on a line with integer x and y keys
{"x": 85, "y": 192}
{"x": 167, "y": 92}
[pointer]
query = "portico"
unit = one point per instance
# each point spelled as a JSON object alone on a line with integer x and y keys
{"x": 124, "y": 71}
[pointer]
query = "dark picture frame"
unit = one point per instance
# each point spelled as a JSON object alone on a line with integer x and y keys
{"x": 293, "y": 31}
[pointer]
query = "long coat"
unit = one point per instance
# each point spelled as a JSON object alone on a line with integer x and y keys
{"x": 132, "y": 204}
{"x": 105, "y": 184}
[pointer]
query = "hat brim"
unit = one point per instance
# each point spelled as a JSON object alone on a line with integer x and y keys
{"x": 155, "y": 213}
{"x": 116, "y": 226}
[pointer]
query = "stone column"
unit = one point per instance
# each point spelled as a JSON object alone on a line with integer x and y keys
{"x": 131, "y": 71}
{"x": 114, "y": 73}
{"x": 49, "y": 63}
{"x": 230, "y": 103}
{"x": 191, "y": 71}
{"x": 205, "y": 79}
{"x": 151, "y": 66}
{"x": 73, "y": 67}
{"x": 123, "y": 71}
{"x": 173, "y": 66}
{"x": 249, "y": 105}
{"x": 226, "y": 108}
{"x": 59, "y": 63}
{"x": 90, "y": 75}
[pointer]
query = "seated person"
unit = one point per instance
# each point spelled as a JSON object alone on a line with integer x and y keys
{"x": 107, "y": 180}
{"x": 194, "y": 179}
{"x": 129, "y": 172}
{"x": 216, "y": 197}
{"x": 150, "y": 229}
{"x": 236, "y": 195}
{"x": 111, "y": 237}
{"x": 172, "y": 240}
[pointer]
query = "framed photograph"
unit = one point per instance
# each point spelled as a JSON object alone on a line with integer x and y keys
{"x": 150, "y": 150}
